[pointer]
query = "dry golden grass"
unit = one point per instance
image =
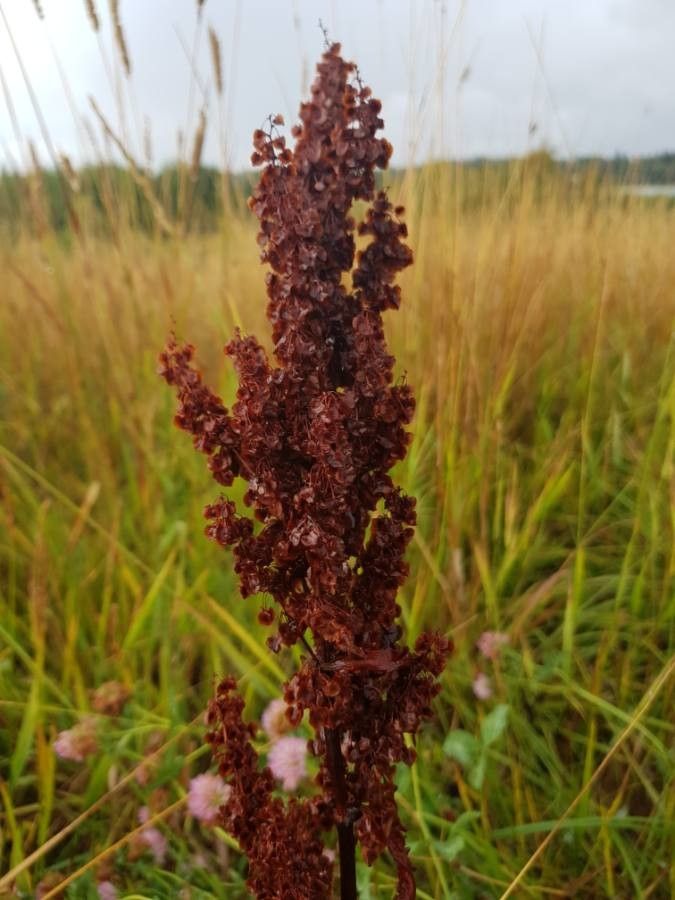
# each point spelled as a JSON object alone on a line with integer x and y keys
{"x": 537, "y": 331}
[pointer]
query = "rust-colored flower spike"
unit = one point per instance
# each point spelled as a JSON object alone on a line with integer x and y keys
{"x": 314, "y": 433}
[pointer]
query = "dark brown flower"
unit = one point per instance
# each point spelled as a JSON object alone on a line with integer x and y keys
{"x": 314, "y": 432}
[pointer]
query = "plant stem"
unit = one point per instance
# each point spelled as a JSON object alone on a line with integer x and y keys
{"x": 345, "y": 828}
{"x": 347, "y": 846}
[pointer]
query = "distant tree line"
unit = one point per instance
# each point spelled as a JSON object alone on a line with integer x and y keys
{"x": 659, "y": 169}
{"x": 103, "y": 198}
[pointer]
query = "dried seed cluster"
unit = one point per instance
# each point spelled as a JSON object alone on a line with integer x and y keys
{"x": 315, "y": 432}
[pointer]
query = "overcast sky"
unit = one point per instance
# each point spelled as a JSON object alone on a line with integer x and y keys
{"x": 483, "y": 77}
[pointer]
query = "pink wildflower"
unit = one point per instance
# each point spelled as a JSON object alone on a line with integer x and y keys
{"x": 274, "y": 720}
{"x": 490, "y": 643}
{"x": 286, "y": 759}
{"x": 145, "y": 771}
{"x": 482, "y": 686}
{"x": 46, "y": 885}
{"x": 150, "y": 839}
{"x": 77, "y": 742}
{"x": 156, "y": 843}
{"x": 106, "y": 890}
{"x": 207, "y": 794}
{"x": 110, "y": 697}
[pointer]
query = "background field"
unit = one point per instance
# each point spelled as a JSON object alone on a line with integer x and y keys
{"x": 537, "y": 331}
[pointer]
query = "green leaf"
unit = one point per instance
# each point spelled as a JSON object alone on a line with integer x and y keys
{"x": 142, "y": 616}
{"x": 493, "y": 725}
{"x": 418, "y": 847}
{"x": 449, "y": 849}
{"x": 23, "y": 747}
{"x": 465, "y": 819}
{"x": 476, "y": 776}
{"x": 363, "y": 874}
{"x": 462, "y": 747}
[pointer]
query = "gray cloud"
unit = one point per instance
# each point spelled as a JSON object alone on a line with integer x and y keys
{"x": 455, "y": 79}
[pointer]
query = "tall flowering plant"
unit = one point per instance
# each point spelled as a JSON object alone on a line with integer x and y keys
{"x": 314, "y": 433}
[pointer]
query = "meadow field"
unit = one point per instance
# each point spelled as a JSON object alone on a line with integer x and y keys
{"x": 537, "y": 331}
